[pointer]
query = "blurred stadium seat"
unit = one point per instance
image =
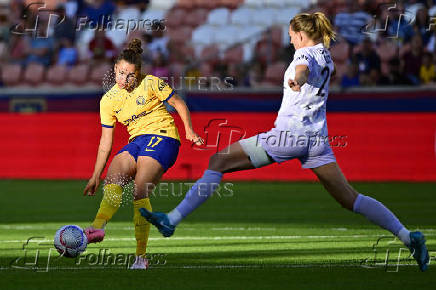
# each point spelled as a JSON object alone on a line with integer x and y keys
{"x": 11, "y": 74}
{"x": 78, "y": 74}
{"x": 180, "y": 35}
{"x": 175, "y": 17}
{"x": 99, "y": 72}
{"x": 151, "y": 14}
{"x": 265, "y": 17}
{"x": 185, "y": 4}
{"x": 254, "y": 3}
{"x": 218, "y": 17}
{"x": 34, "y": 74}
{"x": 56, "y": 75}
{"x": 196, "y": 17}
{"x": 234, "y": 55}
{"x": 210, "y": 54}
{"x": 274, "y": 73}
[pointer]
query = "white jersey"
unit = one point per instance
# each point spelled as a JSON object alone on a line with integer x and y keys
{"x": 304, "y": 112}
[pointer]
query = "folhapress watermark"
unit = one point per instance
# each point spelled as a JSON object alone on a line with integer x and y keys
{"x": 37, "y": 20}
{"x": 284, "y": 138}
{"x": 390, "y": 254}
{"x": 39, "y": 255}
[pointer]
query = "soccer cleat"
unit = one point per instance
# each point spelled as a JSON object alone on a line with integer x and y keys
{"x": 419, "y": 250}
{"x": 160, "y": 221}
{"x": 140, "y": 264}
{"x": 94, "y": 235}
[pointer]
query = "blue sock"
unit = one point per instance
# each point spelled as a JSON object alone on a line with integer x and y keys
{"x": 199, "y": 193}
{"x": 377, "y": 213}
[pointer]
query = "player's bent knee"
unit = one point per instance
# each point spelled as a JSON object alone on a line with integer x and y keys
{"x": 344, "y": 194}
{"x": 217, "y": 162}
{"x": 348, "y": 200}
{"x": 118, "y": 179}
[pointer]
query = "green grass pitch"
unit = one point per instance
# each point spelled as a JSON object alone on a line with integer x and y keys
{"x": 259, "y": 236}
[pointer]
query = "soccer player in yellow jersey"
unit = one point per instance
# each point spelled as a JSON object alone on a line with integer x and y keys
{"x": 136, "y": 101}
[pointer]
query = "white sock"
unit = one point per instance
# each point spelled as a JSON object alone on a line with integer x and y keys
{"x": 175, "y": 217}
{"x": 404, "y": 236}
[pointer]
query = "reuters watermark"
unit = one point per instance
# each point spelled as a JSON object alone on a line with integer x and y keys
{"x": 211, "y": 83}
{"x": 165, "y": 189}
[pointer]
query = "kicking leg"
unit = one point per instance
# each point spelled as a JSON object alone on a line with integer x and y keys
{"x": 120, "y": 172}
{"x": 232, "y": 158}
{"x": 336, "y": 184}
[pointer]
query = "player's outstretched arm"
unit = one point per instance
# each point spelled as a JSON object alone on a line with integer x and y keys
{"x": 177, "y": 102}
{"x": 104, "y": 151}
{"x": 301, "y": 76}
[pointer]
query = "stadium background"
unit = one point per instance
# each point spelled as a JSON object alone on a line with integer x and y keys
{"x": 227, "y": 59}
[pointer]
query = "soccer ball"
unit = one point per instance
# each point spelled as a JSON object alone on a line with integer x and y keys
{"x": 70, "y": 241}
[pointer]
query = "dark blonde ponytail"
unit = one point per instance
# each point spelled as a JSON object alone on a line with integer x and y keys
{"x": 325, "y": 28}
{"x": 316, "y": 26}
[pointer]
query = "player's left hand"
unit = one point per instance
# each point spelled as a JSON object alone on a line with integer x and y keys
{"x": 193, "y": 137}
{"x": 92, "y": 186}
{"x": 294, "y": 85}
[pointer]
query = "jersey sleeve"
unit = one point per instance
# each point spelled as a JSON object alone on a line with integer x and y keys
{"x": 161, "y": 89}
{"x": 301, "y": 57}
{"x": 107, "y": 116}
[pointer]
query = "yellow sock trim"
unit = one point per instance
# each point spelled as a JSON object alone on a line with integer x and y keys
{"x": 142, "y": 227}
{"x": 112, "y": 196}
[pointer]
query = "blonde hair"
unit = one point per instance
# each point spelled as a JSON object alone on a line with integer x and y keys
{"x": 316, "y": 26}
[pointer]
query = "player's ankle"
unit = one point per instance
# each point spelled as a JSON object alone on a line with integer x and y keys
{"x": 404, "y": 236}
{"x": 174, "y": 217}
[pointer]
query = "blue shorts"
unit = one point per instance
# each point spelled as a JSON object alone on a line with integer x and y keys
{"x": 161, "y": 148}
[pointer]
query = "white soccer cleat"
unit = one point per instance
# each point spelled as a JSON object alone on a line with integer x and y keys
{"x": 140, "y": 264}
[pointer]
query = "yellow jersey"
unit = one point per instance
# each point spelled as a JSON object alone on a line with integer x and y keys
{"x": 142, "y": 110}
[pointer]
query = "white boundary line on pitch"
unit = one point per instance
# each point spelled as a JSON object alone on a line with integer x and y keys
{"x": 128, "y": 228}
{"x": 119, "y": 227}
{"x": 261, "y": 266}
{"x": 217, "y": 238}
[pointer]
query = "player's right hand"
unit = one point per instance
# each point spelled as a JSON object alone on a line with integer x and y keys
{"x": 91, "y": 187}
{"x": 293, "y": 84}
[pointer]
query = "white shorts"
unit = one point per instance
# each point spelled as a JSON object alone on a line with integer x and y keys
{"x": 279, "y": 146}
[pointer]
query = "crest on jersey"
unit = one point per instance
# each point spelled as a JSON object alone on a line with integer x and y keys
{"x": 162, "y": 85}
{"x": 140, "y": 101}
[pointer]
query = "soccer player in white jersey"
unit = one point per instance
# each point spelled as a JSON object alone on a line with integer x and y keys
{"x": 300, "y": 132}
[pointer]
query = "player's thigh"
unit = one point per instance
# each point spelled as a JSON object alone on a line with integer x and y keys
{"x": 122, "y": 169}
{"x": 148, "y": 173}
{"x": 230, "y": 159}
{"x": 331, "y": 177}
